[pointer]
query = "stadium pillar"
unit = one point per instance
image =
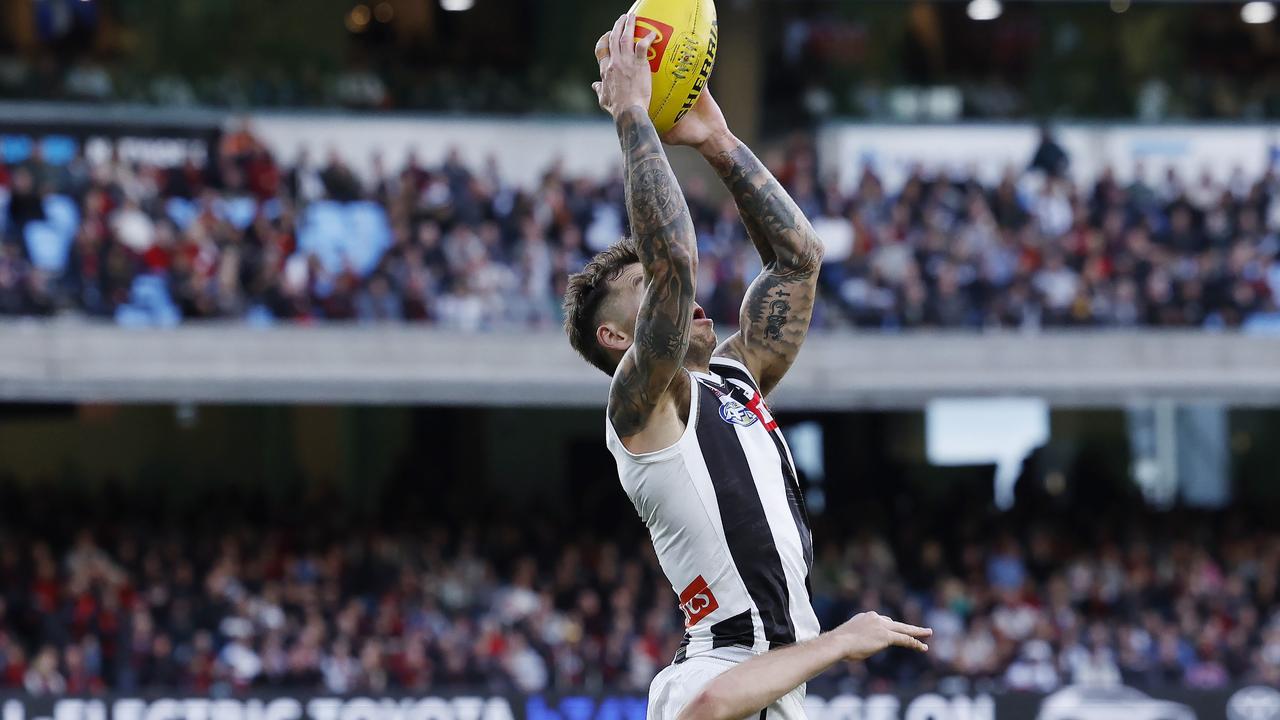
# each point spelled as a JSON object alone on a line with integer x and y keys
{"x": 1153, "y": 439}
{"x": 1204, "y": 455}
{"x": 1181, "y": 450}
{"x": 737, "y": 84}
{"x": 738, "y": 80}
{"x": 17, "y": 23}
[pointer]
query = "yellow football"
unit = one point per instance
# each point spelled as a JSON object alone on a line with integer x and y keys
{"x": 681, "y": 56}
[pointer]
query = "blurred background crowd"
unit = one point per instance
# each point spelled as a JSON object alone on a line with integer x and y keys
{"x": 222, "y": 603}
{"x": 462, "y": 247}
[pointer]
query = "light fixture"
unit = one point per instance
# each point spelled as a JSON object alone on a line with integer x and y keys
{"x": 457, "y": 5}
{"x": 1258, "y": 12}
{"x": 985, "y": 9}
{"x": 358, "y": 19}
{"x": 1119, "y": 6}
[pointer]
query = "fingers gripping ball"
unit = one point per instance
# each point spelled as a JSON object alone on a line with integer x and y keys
{"x": 681, "y": 56}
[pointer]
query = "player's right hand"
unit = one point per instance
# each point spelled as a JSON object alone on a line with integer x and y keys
{"x": 703, "y": 128}
{"x": 868, "y": 633}
{"x": 625, "y": 78}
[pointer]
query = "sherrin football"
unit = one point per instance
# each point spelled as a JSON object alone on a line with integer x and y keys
{"x": 681, "y": 56}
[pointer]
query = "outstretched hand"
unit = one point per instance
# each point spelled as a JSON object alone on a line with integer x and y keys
{"x": 868, "y": 633}
{"x": 701, "y": 127}
{"x": 625, "y": 79}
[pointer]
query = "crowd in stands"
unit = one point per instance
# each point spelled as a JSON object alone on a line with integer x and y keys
{"x": 226, "y": 605}
{"x": 249, "y": 236}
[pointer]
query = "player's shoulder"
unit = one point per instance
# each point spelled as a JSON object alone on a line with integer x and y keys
{"x": 667, "y": 415}
{"x": 732, "y": 364}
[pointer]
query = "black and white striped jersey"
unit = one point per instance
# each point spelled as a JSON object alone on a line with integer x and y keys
{"x": 727, "y": 519}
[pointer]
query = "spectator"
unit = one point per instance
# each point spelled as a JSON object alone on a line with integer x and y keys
{"x": 82, "y": 678}
{"x": 25, "y": 205}
{"x": 43, "y": 677}
{"x": 1034, "y": 670}
{"x": 242, "y": 607}
{"x": 471, "y": 251}
{"x": 1049, "y": 157}
{"x": 339, "y": 182}
{"x": 526, "y": 666}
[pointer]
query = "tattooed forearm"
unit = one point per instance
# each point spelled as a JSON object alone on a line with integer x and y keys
{"x": 668, "y": 252}
{"x": 654, "y": 202}
{"x": 774, "y": 222}
{"x": 779, "y": 304}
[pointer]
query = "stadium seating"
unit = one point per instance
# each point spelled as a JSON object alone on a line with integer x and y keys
{"x": 149, "y": 305}
{"x": 47, "y": 245}
{"x": 1021, "y": 605}
{"x": 181, "y": 211}
{"x": 931, "y": 251}
{"x": 339, "y": 234}
{"x": 15, "y": 148}
{"x": 239, "y": 211}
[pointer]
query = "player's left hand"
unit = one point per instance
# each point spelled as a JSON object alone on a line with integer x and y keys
{"x": 869, "y": 633}
{"x": 701, "y": 126}
{"x": 625, "y": 80}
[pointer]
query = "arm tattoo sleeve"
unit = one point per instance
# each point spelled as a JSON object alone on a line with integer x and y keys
{"x": 668, "y": 251}
{"x": 779, "y": 304}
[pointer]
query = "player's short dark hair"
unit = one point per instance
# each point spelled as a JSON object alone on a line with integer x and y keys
{"x": 586, "y": 293}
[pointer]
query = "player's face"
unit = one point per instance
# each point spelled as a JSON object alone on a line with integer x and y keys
{"x": 630, "y": 289}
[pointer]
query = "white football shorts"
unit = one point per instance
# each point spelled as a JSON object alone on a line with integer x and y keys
{"x": 679, "y": 684}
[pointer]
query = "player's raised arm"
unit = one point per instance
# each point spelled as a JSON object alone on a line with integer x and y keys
{"x": 663, "y": 232}
{"x": 745, "y": 689}
{"x": 779, "y": 304}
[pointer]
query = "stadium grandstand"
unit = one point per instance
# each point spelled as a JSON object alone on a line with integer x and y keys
{"x": 251, "y": 237}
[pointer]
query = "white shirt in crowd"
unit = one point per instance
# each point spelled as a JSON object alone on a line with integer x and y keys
{"x": 133, "y": 227}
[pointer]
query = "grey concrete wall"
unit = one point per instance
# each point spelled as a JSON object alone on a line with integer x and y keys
{"x": 84, "y": 362}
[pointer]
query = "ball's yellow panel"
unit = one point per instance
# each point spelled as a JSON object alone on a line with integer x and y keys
{"x": 682, "y": 55}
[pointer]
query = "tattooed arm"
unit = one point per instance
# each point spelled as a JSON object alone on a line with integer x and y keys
{"x": 668, "y": 251}
{"x": 779, "y": 303}
{"x": 667, "y": 247}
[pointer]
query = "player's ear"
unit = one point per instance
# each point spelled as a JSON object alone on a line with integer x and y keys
{"x": 613, "y": 337}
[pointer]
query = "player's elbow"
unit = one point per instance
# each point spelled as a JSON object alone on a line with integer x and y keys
{"x": 817, "y": 252}
{"x": 805, "y": 257}
{"x": 709, "y": 704}
{"x": 810, "y": 256}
